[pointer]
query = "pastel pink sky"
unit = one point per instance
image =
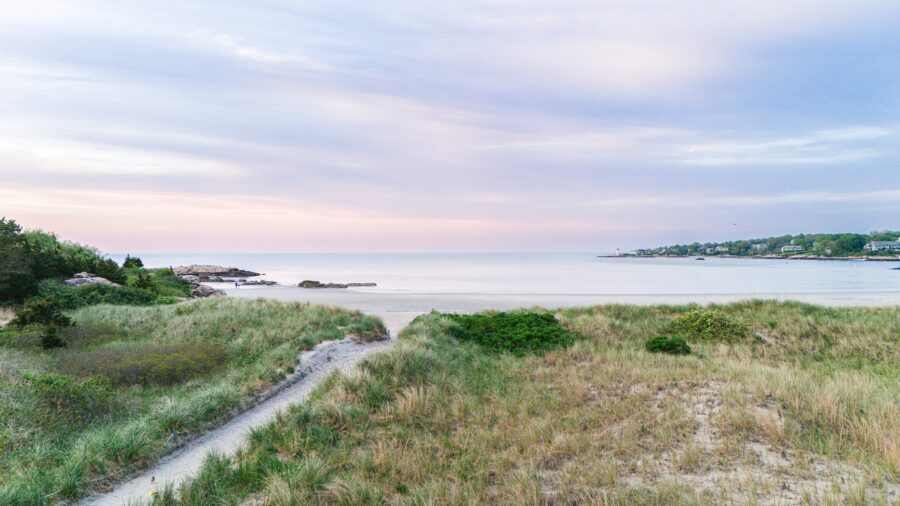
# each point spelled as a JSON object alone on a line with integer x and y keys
{"x": 479, "y": 125}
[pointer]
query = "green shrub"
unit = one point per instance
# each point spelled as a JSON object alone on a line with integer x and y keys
{"x": 515, "y": 332}
{"x": 708, "y": 325}
{"x": 132, "y": 262}
{"x": 74, "y": 297}
{"x": 28, "y": 257}
{"x": 146, "y": 364}
{"x": 142, "y": 279}
{"x": 117, "y": 295}
{"x": 166, "y": 299}
{"x": 41, "y": 311}
{"x": 670, "y": 345}
{"x": 171, "y": 285}
{"x": 50, "y": 338}
{"x": 66, "y": 401}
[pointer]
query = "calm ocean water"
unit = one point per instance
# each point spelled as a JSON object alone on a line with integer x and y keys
{"x": 556, "y": 273}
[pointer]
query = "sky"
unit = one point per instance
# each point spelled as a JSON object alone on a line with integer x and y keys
{"x": 472, "y": 125}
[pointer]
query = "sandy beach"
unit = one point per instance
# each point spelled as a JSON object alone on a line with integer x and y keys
{"x": 462, "y": 302}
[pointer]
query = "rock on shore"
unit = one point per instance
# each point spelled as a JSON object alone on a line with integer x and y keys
{"x": 262, "y": 282}
{"x": 317, "y": 284}
{"x": 86, "y": 278}
{"x": 212, "y": 272}
{"x": 199, "y": 290}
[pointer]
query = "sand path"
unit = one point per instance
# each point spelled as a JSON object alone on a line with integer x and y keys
{"x": 315, "y": 365}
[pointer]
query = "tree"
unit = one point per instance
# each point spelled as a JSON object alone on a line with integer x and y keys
{"x": 17, "y": 281}
{"x": 42, "y": 311}
{"x": 132, "y": 262}
{"x": 28, "y": 257}
{"x": 850, "y": 243}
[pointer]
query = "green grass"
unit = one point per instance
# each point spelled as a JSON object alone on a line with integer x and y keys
{"x": 132, "y": 381}
{"x": 806, "y": 409}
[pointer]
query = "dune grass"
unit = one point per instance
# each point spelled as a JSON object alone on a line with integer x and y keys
{"x": 134, "y": 381}
{"x": 803, "y": 409}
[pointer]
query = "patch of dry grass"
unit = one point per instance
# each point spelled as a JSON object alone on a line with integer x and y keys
{"x": 6, "y": 315}
{"x": 809, "y": 413}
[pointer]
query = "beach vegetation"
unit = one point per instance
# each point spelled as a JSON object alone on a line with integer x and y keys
{"x": 808, "y": 413}
{"x": 34, "y": 263}
{"x": 516, "y": 332}
{"x": 28, "y": 257}
{"x": 133, "y": 382}
{"x": 708, "y": 324}
{"x": 666, "y": 344}
{"x": 131, "y": 262}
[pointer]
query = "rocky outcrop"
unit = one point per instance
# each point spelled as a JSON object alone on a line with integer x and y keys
{"x": 86, "y": 278}
{"x": 260, "y": 282}
{"x": 199, "y": 290}
{"x": 317, "y": 284}
{"x": 206, "y": 272}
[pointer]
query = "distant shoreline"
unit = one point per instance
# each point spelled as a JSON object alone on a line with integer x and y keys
{"x": 765, "y": 257}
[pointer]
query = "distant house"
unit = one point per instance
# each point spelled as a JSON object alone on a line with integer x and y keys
{"x": 760, "y": 246}
{"x": 721, "y": 249}
{"x": 791, "y": 249}
{"x": 883, "y": 245}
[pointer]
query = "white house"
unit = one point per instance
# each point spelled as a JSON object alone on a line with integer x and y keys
{"x": 721, "y": 249}
{"x": 791, "y": 249}
{"x": 882, "y": 245}
{"x": 760, "y": 246}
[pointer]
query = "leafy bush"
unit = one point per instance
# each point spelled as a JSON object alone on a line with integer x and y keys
{"x": 50, "y": 338}
{"x": 171, "y": 285}
{"x": 105, "y": 294}
{"x": 515, "y": 332}
{"x": 708, "y": 325}
{"x": 66, "y": 401}
{"x": 132, "y": 262}
{"x": 143, "y": 280}
{"x": 28, "y": 257}
{"x": 74, "y": 297}
{"x": 670, "y": 345}
{"x": 41, "y": 311}
{"x": 146, "y": 364}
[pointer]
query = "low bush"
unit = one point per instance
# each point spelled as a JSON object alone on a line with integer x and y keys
{"x": 515, "y": 332}
{"x": 708, "y": 325}
{"x": 65, "y": 401}
{"x": 670, "y": 345}
{"x": 74, "y": 297}
{"x": 41, "y": 311}
{"x": 147, "y": 363}
{"x": 170, "y": 285}
{"x": 105, "y": 294}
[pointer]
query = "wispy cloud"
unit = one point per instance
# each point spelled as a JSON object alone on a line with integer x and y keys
{"x": 825, "y": 147}
{"x": 499, "y": 117}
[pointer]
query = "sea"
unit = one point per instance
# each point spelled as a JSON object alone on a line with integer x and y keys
{"x": 553, "y": 273}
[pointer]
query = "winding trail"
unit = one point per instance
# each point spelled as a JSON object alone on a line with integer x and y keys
{"x": 315, "y": 365}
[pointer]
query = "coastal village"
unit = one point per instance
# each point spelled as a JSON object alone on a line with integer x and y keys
{"x": 876, "y": 246}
